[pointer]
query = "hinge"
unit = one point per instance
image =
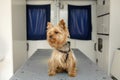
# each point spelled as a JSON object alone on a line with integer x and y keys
{"x": 27, "y": 46}
{"x": 104, "y": 2}
{"x": 97, "y": 61}
{"x": 95, "y": 46}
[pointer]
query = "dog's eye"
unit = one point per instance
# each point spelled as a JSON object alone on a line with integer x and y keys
{"x": 56, "y": 32}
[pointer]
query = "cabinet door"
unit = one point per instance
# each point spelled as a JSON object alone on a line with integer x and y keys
{"x": 100, "y": 51}
{"x": 106, "y": 7}
{"x": 103, "y": 24}
{"x": 102, "y": 55}
{"x": 100, "y": 25}
{"x": 105, "y": 53}
{"x": 103, "y": 7}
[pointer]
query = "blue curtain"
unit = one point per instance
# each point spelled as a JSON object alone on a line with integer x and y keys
{"x": 37, "y": 18}
{"x": 79, "y": 22}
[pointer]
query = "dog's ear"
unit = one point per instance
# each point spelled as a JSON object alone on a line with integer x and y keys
{"x": 62, "y": 24}
{"x": 49, "y": 25}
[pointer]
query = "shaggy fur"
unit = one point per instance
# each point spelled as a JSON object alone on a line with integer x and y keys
{"x": 57, "y": 38}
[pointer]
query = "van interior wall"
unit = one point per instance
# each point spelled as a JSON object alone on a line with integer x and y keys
{"x": 6, "y": 65}
{"x": 114, "y": 42}
{"x": 87, "y": 47}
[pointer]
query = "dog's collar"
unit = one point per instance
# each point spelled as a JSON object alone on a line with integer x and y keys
{"x": 66, "y": 52}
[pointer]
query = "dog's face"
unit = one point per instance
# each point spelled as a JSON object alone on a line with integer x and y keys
{"x": 57, "y": 35}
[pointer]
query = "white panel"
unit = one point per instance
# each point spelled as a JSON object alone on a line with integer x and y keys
{"x": 87, "y": 47}
{"x": 103, "y": 56}
{"x": 107, "y": 6}
{"x": 106, "y": 22}
{"x": 100, "y": 25}
{"x": 115, "y": 69}
{"x": 102, "y": 9}
{"x": 19, "y": 32}
{"x": 34, "y": 45}
{"x": 6, "y": 65}
{"x": 114, "y": 28}
{"x": 103, "y": 24}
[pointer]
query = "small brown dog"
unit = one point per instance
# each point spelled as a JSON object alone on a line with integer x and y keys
{"x": 62, "y": 58}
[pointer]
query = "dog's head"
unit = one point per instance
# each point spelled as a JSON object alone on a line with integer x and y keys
{"x": 57, "y": 35}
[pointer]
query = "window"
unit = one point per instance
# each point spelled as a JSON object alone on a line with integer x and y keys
{"x": 37, "y": 18}
{"x": 79, "y": 22}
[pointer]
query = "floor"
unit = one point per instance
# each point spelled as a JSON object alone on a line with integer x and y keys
{"x": 36, "y": 68}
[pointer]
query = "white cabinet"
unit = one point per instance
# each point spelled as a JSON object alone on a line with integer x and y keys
{"x": 108, "y": 25}
{"x": 103, "y": 7}
{"x": 103, "y": 31}
{"x": 103, "y": 24}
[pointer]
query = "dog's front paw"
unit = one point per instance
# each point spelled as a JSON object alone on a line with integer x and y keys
{"x": 52, "y": 73}
{"x": 72, "y": 74}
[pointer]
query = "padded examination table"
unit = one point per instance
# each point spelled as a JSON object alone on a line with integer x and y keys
{"x": 36, "y": 68}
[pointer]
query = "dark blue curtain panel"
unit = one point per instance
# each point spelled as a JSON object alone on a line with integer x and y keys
{"x": 37, "y": 18}
{"x": 79, "y": 22}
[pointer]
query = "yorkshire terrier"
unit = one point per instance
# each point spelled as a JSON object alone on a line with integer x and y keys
{"x": 62, "y": 58}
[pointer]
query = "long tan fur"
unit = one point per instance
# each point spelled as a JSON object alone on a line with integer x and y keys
{"x": 57, "y": 36}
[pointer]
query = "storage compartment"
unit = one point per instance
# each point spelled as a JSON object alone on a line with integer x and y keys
{"x": 103, "y": 24}
{"x": 103, "y": 7}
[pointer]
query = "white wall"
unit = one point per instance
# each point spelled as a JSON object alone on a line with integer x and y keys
{"x": 19, "y": 33}
{"x": 12, "y": 36}
{"x": 6, "y": 65}
{"x": 86, "y": 47}
{"x": 114, "y": 28}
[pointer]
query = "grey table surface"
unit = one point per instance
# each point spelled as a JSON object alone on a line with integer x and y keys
{"x": 36, "y": 68}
